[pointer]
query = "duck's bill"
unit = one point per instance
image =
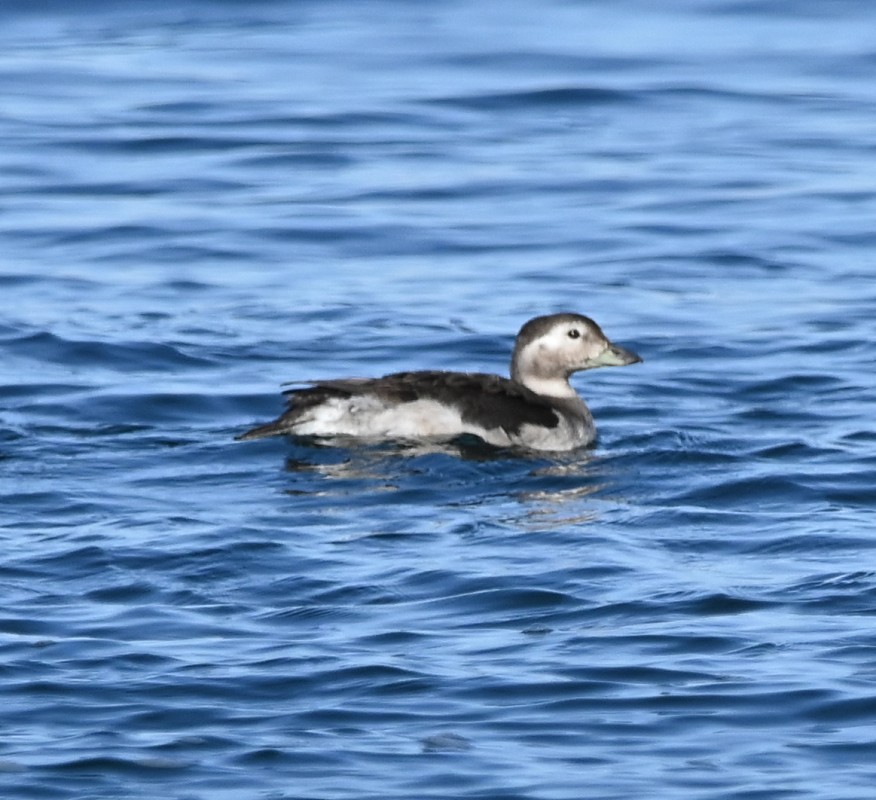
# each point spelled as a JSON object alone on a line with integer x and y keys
{"x": 615, "y": 356}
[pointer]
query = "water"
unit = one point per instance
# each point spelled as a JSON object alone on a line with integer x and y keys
{"x": 202, "y": 201}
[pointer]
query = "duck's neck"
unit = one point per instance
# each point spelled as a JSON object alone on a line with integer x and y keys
{"x": 540, "y": 371}
{"x": 547, "y": 387}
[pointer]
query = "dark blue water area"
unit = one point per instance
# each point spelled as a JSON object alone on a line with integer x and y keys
{"x": 200, "y": 201}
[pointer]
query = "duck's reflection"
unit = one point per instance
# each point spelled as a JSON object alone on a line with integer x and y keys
{"x": 539, "y": 492}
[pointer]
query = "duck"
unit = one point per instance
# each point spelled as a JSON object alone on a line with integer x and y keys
{"x": 536, "y": 408}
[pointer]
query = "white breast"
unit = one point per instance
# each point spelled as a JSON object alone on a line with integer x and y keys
{"x": 569, "y": 434}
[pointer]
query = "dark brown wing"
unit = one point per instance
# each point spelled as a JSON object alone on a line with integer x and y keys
{"x": 483, "y": 400}
{"x": 487, "y": 401}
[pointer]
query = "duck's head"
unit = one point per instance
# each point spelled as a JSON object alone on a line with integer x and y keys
{"x": 549, "y": 349}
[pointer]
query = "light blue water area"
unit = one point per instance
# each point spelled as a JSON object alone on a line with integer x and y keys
{"x": 202, "y": 200}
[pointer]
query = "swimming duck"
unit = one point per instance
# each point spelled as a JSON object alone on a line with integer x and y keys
{"x": 536, "y": 408}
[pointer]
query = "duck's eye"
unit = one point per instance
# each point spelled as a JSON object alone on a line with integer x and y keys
{"x": 574, "y": 333}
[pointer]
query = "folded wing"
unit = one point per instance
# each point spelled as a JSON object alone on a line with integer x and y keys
{"x": 483, "y": 402}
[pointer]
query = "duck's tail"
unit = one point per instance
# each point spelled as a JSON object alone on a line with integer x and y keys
{"x": 275, "y": 428}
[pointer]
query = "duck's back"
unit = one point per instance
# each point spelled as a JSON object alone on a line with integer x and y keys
{"x": 429, "y": 404}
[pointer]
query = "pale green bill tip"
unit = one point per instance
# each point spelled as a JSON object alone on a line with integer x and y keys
{"x": 616, "y": 356}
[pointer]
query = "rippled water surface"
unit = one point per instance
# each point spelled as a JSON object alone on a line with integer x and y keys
{"x": 202, "y": 200}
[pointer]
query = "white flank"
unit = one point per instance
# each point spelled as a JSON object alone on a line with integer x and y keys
{"x": 369, "y": 418}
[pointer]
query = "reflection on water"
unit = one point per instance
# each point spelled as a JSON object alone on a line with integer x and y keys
{"x": 546, "y": 489}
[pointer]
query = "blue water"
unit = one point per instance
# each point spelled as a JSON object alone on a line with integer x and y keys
{"x": 201, "y": 200}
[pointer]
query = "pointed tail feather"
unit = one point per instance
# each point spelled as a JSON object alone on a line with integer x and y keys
{"x": 268, "y": 429}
